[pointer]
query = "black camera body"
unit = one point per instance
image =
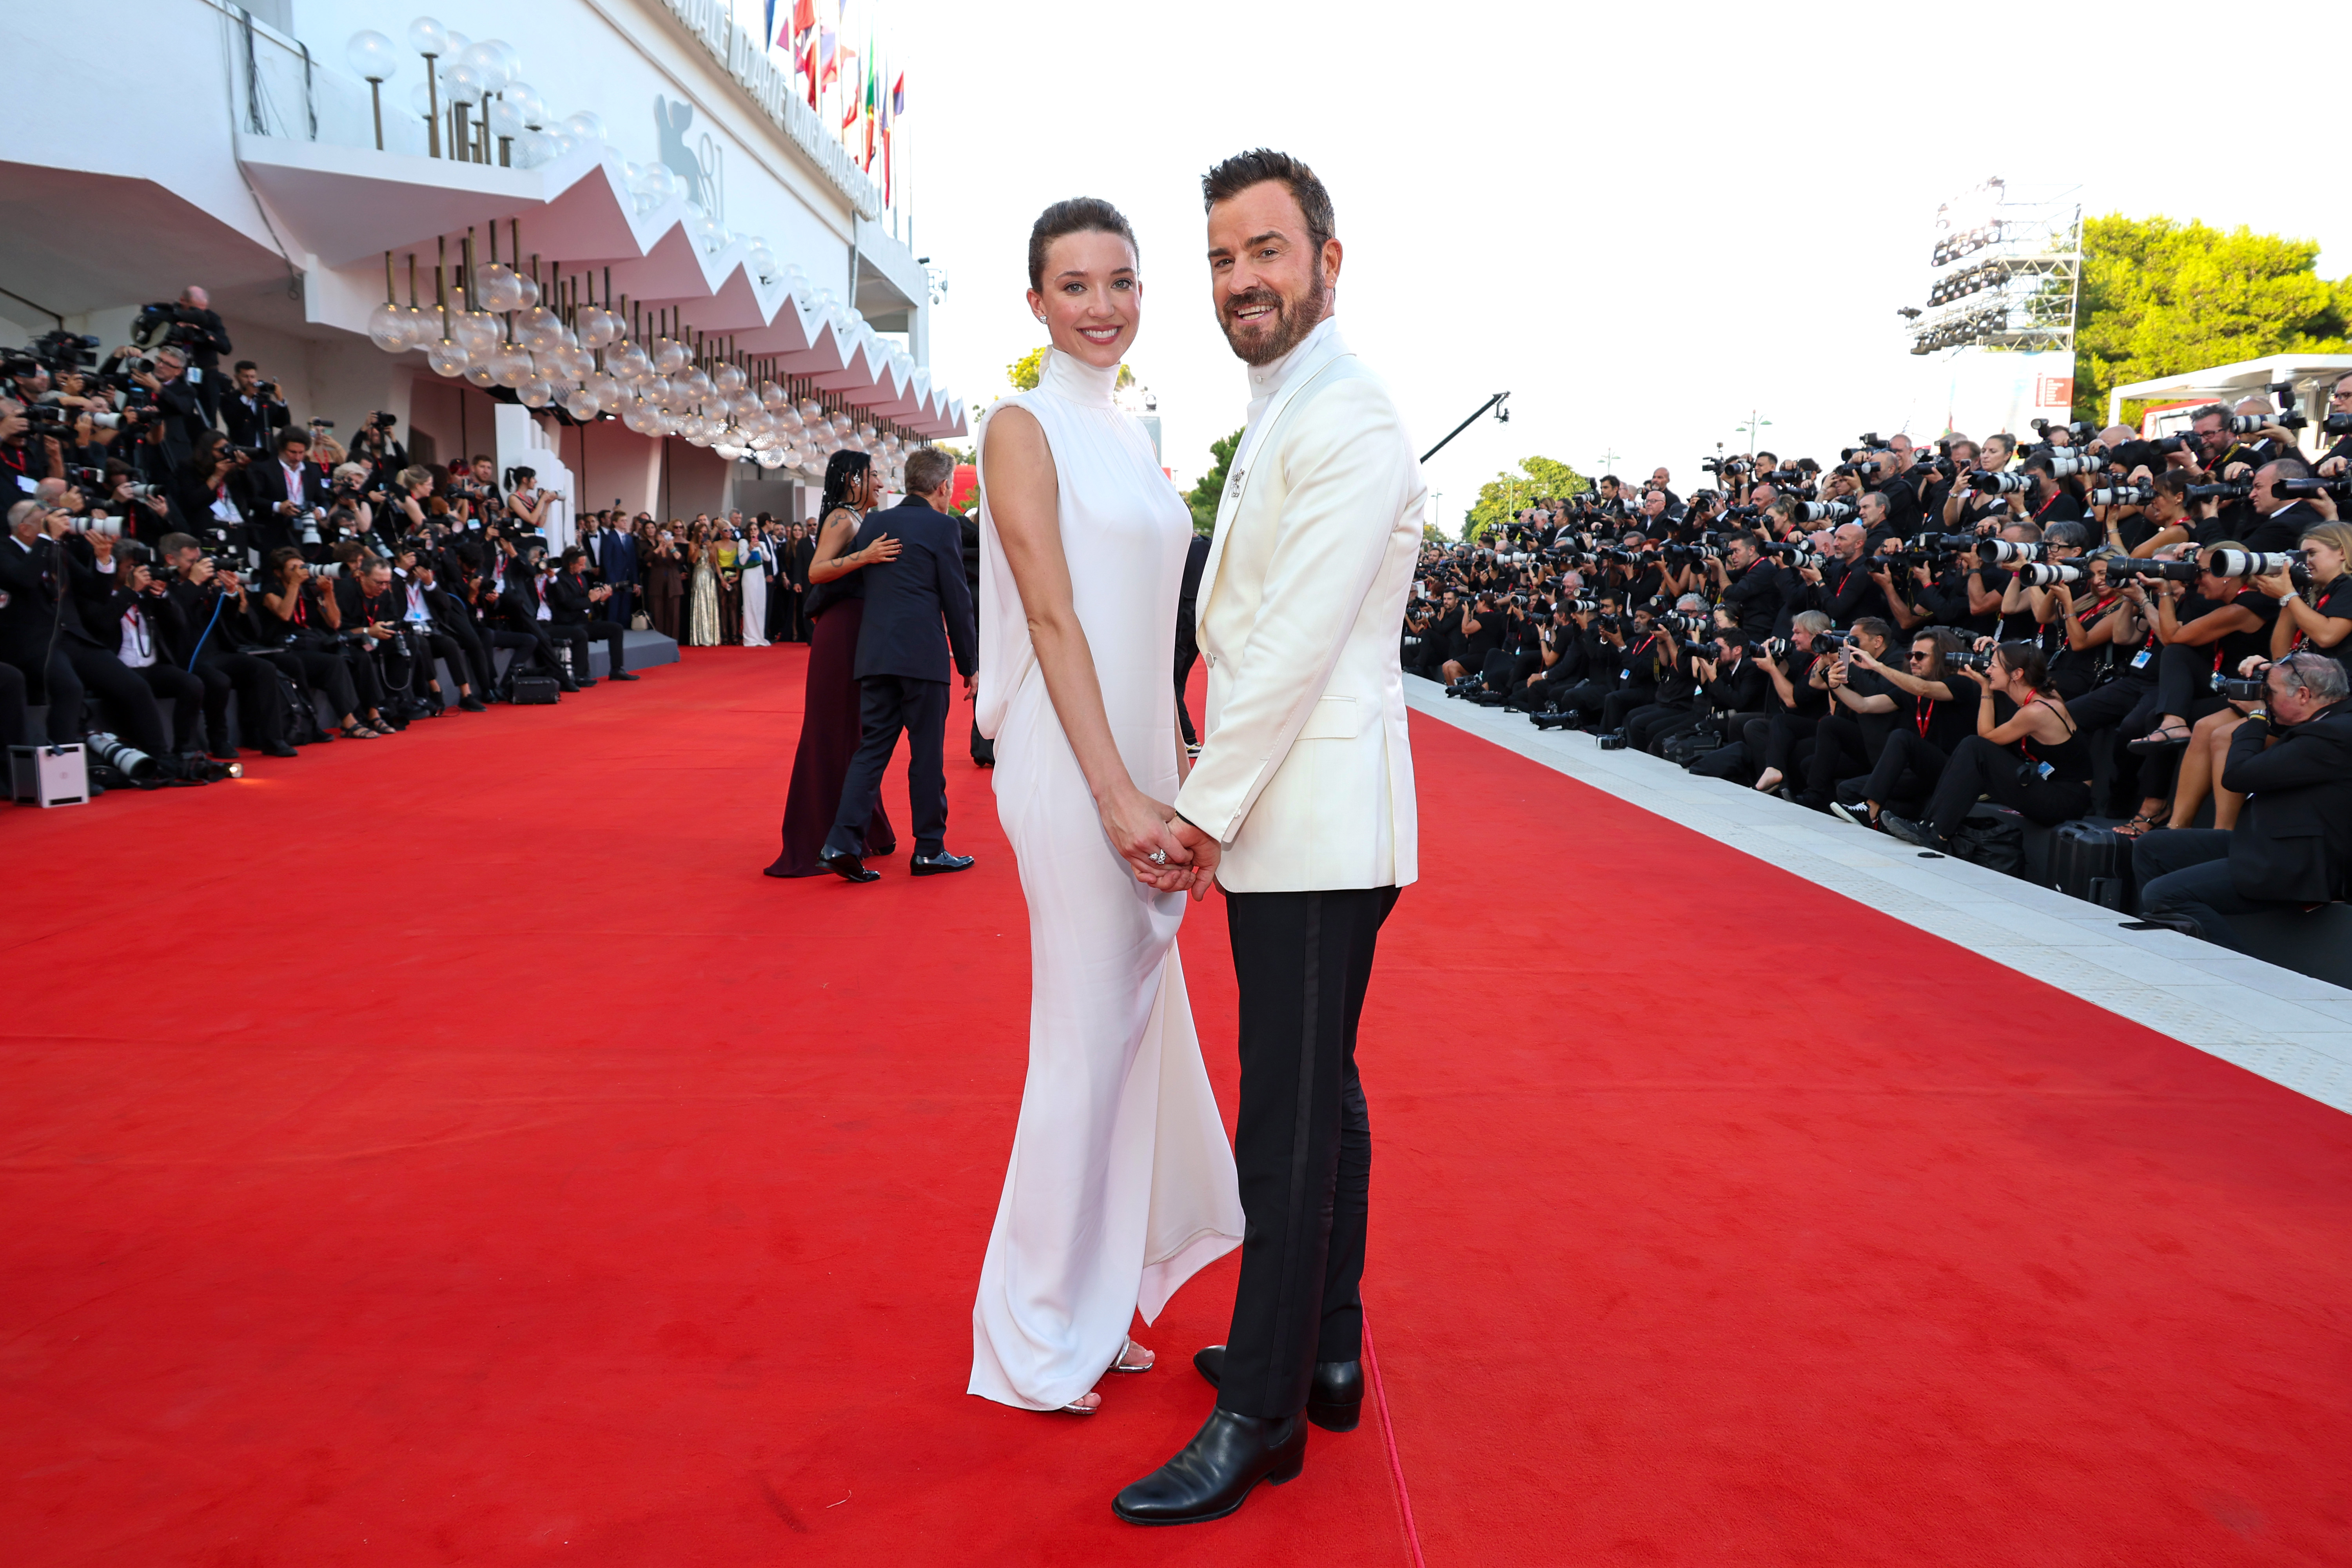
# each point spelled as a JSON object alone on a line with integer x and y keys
{"x": 2233, "y": 689}
{"x": 2240, "y": 490}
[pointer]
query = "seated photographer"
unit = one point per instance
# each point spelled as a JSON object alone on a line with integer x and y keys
{"x": 523, "y": 602}
{"x": 2036, "y": 763}
{"x": 1748, "y": 584}
{"x": 438, "y": 629}
{"x": 1864, "y": 708}
{"x": 2224, "y": 622}
{"x": 253, "y": 412}
{"x": 369, "y": 617}
{"x": 298, "y": 615}
{"x": 136, "y": 612}
{"x": 1797, "y": 701}
{"x": 1563, "y": 649}
{"x": 1936, "y": 720}
{"x": 1676, "y": 705}
{"x": 573, "y": 604}
{"x": 2284, "y": 517}
{"x": 212, "y": 635}
{"x": 48, "y": 586}
{"x": 1731, "y": 690}
{"x": 1478, "y": 633}
{"x": 2294, "y": 841}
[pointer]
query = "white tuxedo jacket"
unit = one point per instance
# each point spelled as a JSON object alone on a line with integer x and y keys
{"x": 1305, "y": 768}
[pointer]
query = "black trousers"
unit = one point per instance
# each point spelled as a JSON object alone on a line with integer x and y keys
{"x": 78, "y": 667}
{"x": 185, "y": 693}
{"x": 1981, "y": 768}
{"x": 12, "y": 706}
{"x": 2186, "y": 871}
{"x": 259, "y": 703}
{"x": 1841, "y": 750}
{"x": 1303, "y": 1141}
{"x": 581, "y": 635}
{"x": 1782, "y": 732}
{"x": 888, "y": 704}
{"x": 1651, "y": 726}
{"x": 1908, "y": 765}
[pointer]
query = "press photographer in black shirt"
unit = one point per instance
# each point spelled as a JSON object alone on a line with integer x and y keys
{"x": 213, "y": 637}
{"x": 573, "y": 604}
{"x": 2293, "y": 842}
{"x": 253, "y": 412}
{"x": 2036, "y": 762}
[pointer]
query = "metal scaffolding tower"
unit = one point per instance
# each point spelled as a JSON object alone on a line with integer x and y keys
{"x": 2005, "y": 272}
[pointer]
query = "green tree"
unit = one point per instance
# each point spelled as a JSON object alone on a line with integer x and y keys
{"x": 2160, "y": 297}
{"x": 1206, "y": 495}
{"x": 1513, "y": 490}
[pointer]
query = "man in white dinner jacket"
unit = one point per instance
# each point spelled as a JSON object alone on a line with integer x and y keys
{"x": 1302, "y": 804}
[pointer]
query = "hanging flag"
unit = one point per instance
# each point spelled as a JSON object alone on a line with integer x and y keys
{"x": 828, "y": 50}
{"x": 849, "y": 95}
{"x": 804, "y": 17}
{"x": 806, "y": 64}
{"x": 873, "y": 101}
{"x": 775, "y": 40}
{"x": 898, "y": 96}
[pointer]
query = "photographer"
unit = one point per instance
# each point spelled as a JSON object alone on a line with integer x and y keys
{"x": 572, "y": 607}
{"x": 1749, "y": 586}
{"x": 1796, "y": 702}
{"x": 475, "y": 587}
{"x": 213, "y": 637}
{"x": 254, "y": 413}
{"x": 2225, "y": 621}
{"x": 437, "y": 629}
{"x": 522, "y": 601}
{"x": 159, "y": 396}
{"x": 135, "y": 611}
{"x": 286, "y": 498}
{"x": 298, "y": 616}
{"x": 196, "y": 332}
{"x": 1562, "y": 650}
{"x": 1913, "y": 754}
{"x": 49, "y": 576}
{"x": 2294, "y": 841}
{"x": 2036, "y": 763}
{"x": 2284, "y": 517}
{"x": 369, "y": 617}
{"x": 1676, "y": 705}
{"x": 1864, "y": 710}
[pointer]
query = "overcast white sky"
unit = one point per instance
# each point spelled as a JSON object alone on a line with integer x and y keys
{"x": 1642, "y": 219}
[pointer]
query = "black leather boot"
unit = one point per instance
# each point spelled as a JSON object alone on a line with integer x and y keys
{"x": 1334, "y": 1399}
{"x": 1209, "y": 1476}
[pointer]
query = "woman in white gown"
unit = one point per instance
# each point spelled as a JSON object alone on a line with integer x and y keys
{"x": 1121, "y": 1184}
{"x": 751, "y": 556}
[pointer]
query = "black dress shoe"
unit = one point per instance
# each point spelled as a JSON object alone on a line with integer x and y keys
{"x": 848, "y": 868}
{"x": 938, "y": 865}
{"x": 473, "y": 704}
{"x": 1334, "y": 1399}
{"x": 1209, "y": 1476}
{"x": 279, "y": 749}
{"x": 620, "y": 675}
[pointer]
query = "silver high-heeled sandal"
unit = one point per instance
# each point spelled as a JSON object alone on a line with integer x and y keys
{"x": 1127, "y": 1362}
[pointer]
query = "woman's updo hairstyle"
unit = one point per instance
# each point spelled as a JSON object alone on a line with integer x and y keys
{"x": 1079, "y": 214}
{"x": 842, "y": 471}
{"x": 2028, "y": 663}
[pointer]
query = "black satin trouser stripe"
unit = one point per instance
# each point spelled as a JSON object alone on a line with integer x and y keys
{"x": 1303, "y": 1144}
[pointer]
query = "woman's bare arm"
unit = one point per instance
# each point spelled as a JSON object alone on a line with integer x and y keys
{"x": 1023, "y": 496}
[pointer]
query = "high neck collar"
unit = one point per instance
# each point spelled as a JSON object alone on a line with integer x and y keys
{"x": 1073, "y": 378}
{"x": 1265, "y": 379}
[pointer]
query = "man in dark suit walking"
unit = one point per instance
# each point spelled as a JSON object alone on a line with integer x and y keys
{"x": 916, "y": 607}
{"x": 2292, "y": 844}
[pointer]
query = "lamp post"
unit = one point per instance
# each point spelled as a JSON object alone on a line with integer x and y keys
{"x": 431, "y": 39}
{"x": 1752, "y": 429}
{"x": 372, "y": 57}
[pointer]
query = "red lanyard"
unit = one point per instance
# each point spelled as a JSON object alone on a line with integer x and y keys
{"x": 1921, "y": 712}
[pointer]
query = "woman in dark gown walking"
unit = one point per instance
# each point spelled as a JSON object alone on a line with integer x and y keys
{"x": 829, "y": 722}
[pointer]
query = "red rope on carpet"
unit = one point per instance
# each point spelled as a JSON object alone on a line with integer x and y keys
{"x": 1388, "y": 1439}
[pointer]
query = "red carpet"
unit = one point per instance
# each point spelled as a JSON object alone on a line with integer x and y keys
{"x": 450, "y": 1150}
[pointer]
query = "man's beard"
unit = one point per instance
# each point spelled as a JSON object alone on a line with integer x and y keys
{"x": 1291, "y": 322}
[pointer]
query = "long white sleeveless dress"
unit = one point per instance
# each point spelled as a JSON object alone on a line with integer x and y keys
{"x": 1121, "y": 1185}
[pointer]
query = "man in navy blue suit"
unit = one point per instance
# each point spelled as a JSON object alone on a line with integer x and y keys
{"x": 613, "y": 554}
{"x": 916, "y": 607}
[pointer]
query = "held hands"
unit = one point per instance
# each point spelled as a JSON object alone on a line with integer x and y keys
{"x": 1205, "y": 853}
{"x": 1138, "y": 828}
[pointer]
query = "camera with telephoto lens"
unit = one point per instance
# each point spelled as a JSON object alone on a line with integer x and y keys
{"x": 2339, "y": 487}
{"x": 1986, "y": 482}
{"x": 2007, "y": 551}
{"x": 2240, "y": 490}
{"x": 1824, "y": 511}
{"x": 2123, "y": 495}
{"x": 2337, "y": 425}
{"x": 2066, "y": 462}
{"x": 161, "y": 326}
{"x": 2249, "y": 424}
{"x": 2235, "y": 689}
{"x": 2050, "y": 573}
{"x": 2288, "y": 417}
{"x": 2076, "y": 432}
{"x": 2251, "y": 562}
{"x": 1727, "y": 466}
{"x": 1684, "y": 555}
{"x": 2185, "y": 442}
{"x": 1946, "y": 543}
{"x": 1977, "y": 659}
{"x": 2122, "y": 568}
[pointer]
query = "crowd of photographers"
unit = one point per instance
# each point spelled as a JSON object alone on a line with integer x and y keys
{"x": 2123, "y": 638}
{"x": 176, "y": 541}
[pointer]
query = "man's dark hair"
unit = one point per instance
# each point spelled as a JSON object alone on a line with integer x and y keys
{"x": 172, "y": 543}
{"x": 1871, "y": 625}
{"x": 574, "y": 553}
{"x": 1079, "y": 214}
{"x": 245, "y": 364}
{"x": 291, "y": 435}
{"x": 928, "y": 468}
{"x": 1243, "y": 170}
{"x": 2289, "y": 467}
